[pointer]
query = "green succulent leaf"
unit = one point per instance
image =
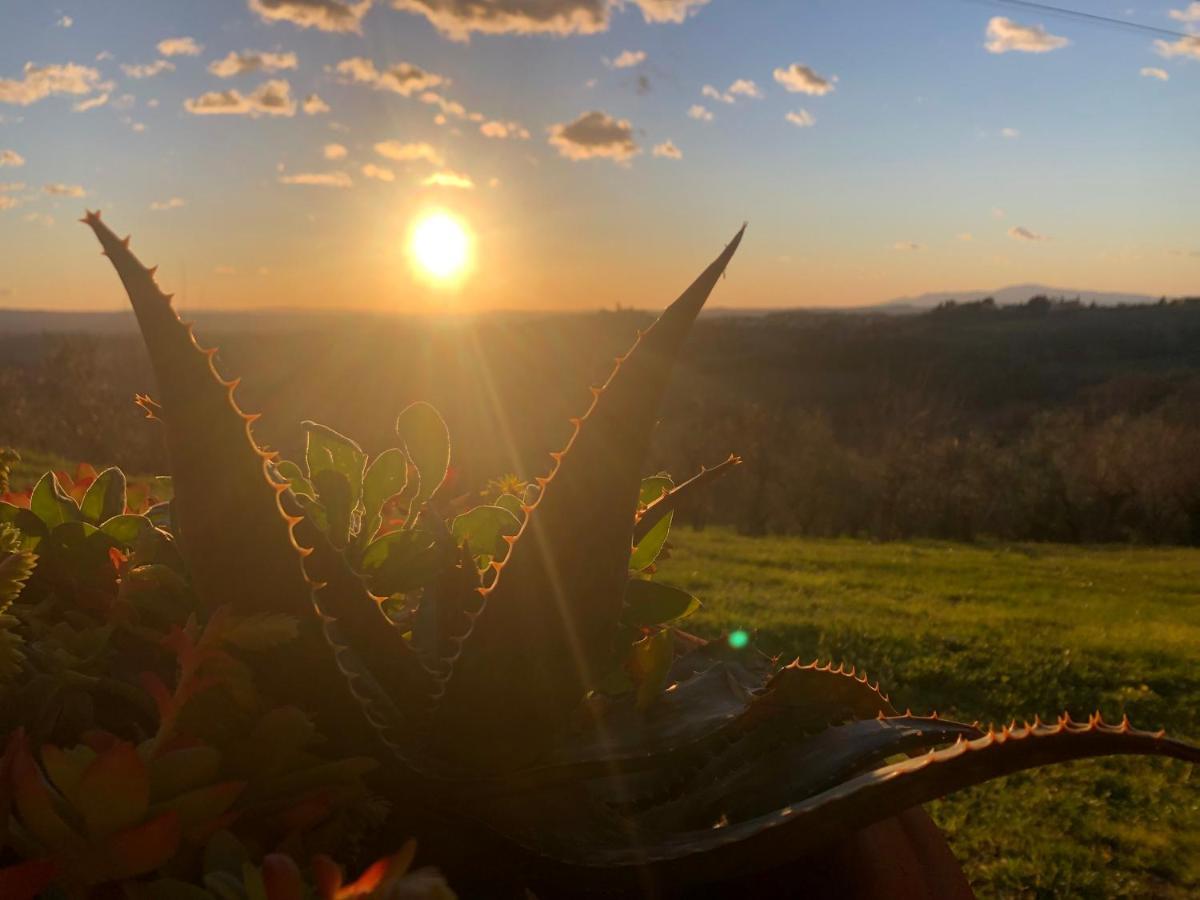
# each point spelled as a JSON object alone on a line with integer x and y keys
{"x": 654, "y": 487}
{"x": 401, "y": 561}
{"x": 50, "y": 503}
{"x": 126, "y": 529}
{"x": 338, "y": 502}
{"x": 31, "y": 527}
{"x": 513, "y": 504}
{"x": 328, "y": 450}
{"x": 294, "y": 476}
{"x": 651, "y": 663}
{"x": 386, "y": 477}
{"x": 484, "y": 528}
{"x": 427, "y": 442}
{"x": 649, "y": 603}
{"x": 649, "y": 548}
{"x": 105, "y": 497}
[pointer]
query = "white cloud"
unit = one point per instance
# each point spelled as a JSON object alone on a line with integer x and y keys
{"x": 503, "y": 130}
{"x": 179, "y": 46}
{"x": 627, "y": 59}
{"x": 334, "y": 151}
{"x": 711, "y": 92}
{"x": 271, "y": 98}
{"x": 1021, "y": 233}
{"x": 1009, "y": 133}
{"x": 800, "y": 79}
{"x": 744, "y": 87}
{"x": 402, "y": 152}
{"x": 907, "y": 246}
{"x": 1151, "y": 72}
{"x": 39, "y": 82}
{"x": 91, "y": 102}
{"x": 1005, "y": 35}
{"x": 448, "y": 179}
{"x": 700, "y": 112}
{"x": 65, "y": 22}
{"x": 667, "y": 150}
{"x": 595, "y": 135}
{"x": 1185, "y": 46}
{"x": 801, "y": 118}
{"x": 314, "y": 105}
{"x": 401, "y": 78}
{"x": 251, "y": 61}
{"x": 11, "y": 158}
{"x": 379, "y": 173}
{"x": 148, "y": 70}
{"x": 324, "y": 15}
{"x": 164, "y": 205}
{"x": 64, "y": 190}
{"x": 318, "y": 179}
{"x": 1190, "y": 13}
{"x": 458, "y": 19}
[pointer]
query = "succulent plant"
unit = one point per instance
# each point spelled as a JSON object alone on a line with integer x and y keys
{"x": 488, "y": 692}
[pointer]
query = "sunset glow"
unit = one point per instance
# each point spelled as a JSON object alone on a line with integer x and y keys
{"x": 440, "y": 248}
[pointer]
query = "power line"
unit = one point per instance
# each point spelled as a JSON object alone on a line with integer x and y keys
{"x": 1087, "y": 17}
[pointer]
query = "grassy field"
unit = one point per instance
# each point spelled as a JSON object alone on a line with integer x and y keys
{"x": 995, "y": 633}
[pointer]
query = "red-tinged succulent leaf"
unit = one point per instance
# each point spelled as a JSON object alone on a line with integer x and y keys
{"x": 33, "y": 799}
{"x": 199, "y": 808}
{"x": 327, "y": 877}
{"x": 143, "y": 848}
{"x": 544, "y": 633}
{"x": 281, "y": 878}
{"x": 27, "y": 880}
{"x": 380, "y": 875}
{"x": 219, "y": 473}
{"x": 65, "y": 768}
{"x": 114, "y": 791}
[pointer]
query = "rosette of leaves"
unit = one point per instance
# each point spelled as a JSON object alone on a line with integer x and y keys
{"x": 715, "y": 765}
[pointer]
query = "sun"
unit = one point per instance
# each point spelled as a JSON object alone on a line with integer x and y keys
{"x": 439, "y": 246}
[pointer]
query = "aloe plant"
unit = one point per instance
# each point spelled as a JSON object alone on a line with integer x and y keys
{"x": 489, "y": 693}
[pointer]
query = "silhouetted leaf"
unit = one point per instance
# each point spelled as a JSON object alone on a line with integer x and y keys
{"x": 512, "y": 503}
{"x": 292, "y": 474}
{"x": 650, "y": 662}
{"x": 337, "y": 500}
{"x": 50, "y": 503}
{"x": 327, "y": 449}
{"x": 483, "y": 529}
{"x": 427, "y": 443}
{"x": 649, "y": 603}
{"x": 105, "y": 497}
{"x": 31, "y": 527}
{"x": 401, "y": 561}
{"x": 386, "y": 477}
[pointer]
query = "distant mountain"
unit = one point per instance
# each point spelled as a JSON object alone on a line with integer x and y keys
{"x": 1019, "y": 293}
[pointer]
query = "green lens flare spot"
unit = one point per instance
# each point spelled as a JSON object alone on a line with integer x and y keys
{"x": 738, "y": 639}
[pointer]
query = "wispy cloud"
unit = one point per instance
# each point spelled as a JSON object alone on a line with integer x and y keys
{"x": 595, "y": 135}
{"x": 39, "y": 82}
{"x": 379, "y": 173}
{"x": 314, "y": 105}
{"x": 459, "y": 19}
{"x": 667, "y": 150}
{"x": 801, "y": 118}
{"x": 64, "y": 22}
{"x": 627, "y": 59}
{"x": 1010, "y": 134}
{"x": 448, "y": 179}
{"x": 700, "y": 113}
{"x": 1185, "y": 46}
{"x": 318, "y": 179}
{"x": 400, "y": 78}
{"x": 251, "y": 61}
{"x": 800, "y": 79}
{"x": 1151, "y": 72}
{"x": 1021, "y": 233}
{"x": 1190, "y": 13}
{"x": 64, "y": 190}
{"x": 91, "y": 102}
{"x": 1005, "y": 35}
{"x": 504, "y": 130}
{"x": 148, "y": 70}
{"x": 179, "y": 46}
{"x": 334, "y": 151}
{"x": 324, "y": 15}
{"x": 271, "y": 98}
{"x": 410, "y": 152}
{"x": 171, "y": 203}
{"x": 11, "y": 158}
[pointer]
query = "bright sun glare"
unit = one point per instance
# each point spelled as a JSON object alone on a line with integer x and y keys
{"x": 440, "y": 247}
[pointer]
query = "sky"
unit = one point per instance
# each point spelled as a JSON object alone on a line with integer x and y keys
{"x": 278, "y": 153}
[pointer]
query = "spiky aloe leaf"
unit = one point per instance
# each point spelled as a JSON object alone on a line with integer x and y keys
{"x": 544, "y": 633}
{"x": 237, "y": 544}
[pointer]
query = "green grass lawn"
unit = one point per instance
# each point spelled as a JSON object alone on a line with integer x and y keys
{"x": 996, "y": 633}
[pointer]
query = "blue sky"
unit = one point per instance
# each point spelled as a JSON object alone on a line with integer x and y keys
{"x": 916, "y": 159}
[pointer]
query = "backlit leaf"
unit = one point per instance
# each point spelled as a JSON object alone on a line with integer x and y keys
{"x": 327, "y": 449}
{"x": 649, "y": 603}
{"x": 50, "y": 503}
{"x": 401, "y": 561}
{"x": 484, "y": 528}
{"x": 427, "y": 442}
{"x": 386, "y": 477}
{"x": 105, "y": 497}
{"x": 648, "y": 549}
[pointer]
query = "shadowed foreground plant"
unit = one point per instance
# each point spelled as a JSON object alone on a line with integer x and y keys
{"x": 518, "y": 662}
